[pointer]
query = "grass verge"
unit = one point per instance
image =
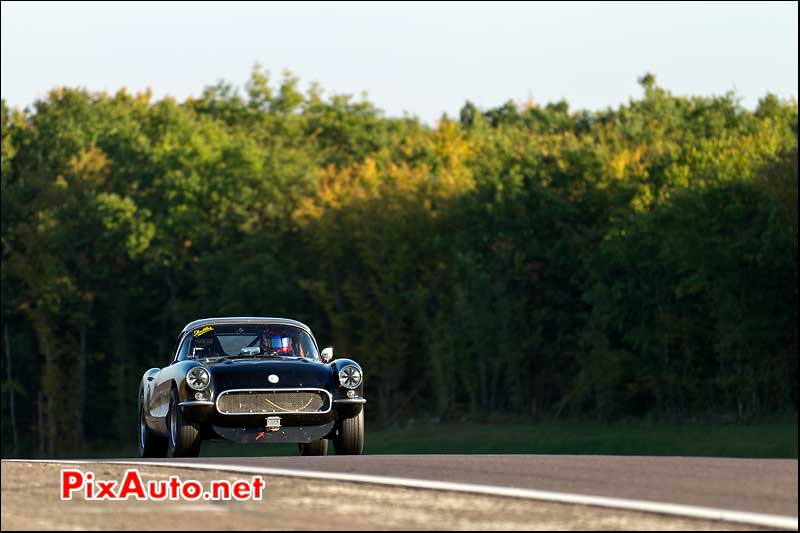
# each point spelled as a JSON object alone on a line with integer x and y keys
{"x": 777, "y": 439}
{"x": 766, "y": 439}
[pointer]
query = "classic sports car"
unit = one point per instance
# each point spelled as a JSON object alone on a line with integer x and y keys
{"x": 251, "y": 380}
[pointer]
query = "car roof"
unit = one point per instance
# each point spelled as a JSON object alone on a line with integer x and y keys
{"x": 244, "y": 320}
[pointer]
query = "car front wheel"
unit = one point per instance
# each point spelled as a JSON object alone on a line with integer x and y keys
{"x": 184, "y": 436}
{"x": 349, "y": 438}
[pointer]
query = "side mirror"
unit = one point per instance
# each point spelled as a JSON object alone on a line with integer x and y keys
{"x": 327, "y": 354}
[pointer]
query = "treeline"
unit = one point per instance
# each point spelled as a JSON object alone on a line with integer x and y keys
{"x": 526, "y": 259}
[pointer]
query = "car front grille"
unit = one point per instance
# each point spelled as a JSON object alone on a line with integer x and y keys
{"x": 246, "y": 402}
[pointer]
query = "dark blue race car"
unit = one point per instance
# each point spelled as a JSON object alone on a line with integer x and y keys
{"x": 251, "y": 380}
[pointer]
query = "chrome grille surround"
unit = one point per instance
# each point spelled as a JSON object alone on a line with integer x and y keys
{"x": 274, "y": 402}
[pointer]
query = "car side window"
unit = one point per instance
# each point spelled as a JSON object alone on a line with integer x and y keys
{"x": 183, "y": 350}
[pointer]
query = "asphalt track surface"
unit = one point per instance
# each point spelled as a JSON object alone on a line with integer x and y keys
{"x": 767, "y": 486}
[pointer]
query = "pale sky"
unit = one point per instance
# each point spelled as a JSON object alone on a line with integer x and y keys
{"x": 423, "y": 59}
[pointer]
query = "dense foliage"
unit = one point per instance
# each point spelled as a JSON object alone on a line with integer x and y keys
{"x": 524, "y": 259}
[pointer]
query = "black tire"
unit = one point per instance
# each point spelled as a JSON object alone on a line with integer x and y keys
{"x": 150, "y": 443}
{"x": 315, "y": 447}
{"x": 349, "y": 438}
{"x": 184, "y": 437}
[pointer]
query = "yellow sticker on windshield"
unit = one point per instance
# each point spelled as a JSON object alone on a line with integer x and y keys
{"x": 202, "y": 331}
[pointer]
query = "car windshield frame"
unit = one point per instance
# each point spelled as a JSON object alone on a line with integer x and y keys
{"x": 230, "y": 341}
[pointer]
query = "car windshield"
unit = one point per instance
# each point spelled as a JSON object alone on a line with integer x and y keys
{"x": 249, "y": 340}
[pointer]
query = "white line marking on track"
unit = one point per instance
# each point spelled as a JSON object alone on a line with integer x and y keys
{"x": 674, "y": 509}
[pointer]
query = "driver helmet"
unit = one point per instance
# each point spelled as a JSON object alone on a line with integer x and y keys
{"x": 275, "y": 342}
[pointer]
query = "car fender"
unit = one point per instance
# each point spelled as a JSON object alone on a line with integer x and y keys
{"x": 146, "y": 386}
{"x": 338, "y": 364}
{"x": 177, "y": 377}
{"x": 339, "y": 391}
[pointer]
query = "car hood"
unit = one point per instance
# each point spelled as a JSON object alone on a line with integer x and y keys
{"x": 254, "y": 374}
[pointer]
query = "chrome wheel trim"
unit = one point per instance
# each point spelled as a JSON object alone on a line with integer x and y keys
{"x": 142, "y": 428}
{"x": 173, "y": 429}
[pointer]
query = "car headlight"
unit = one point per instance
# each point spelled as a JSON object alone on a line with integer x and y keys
{"x": 198, "y": 378}
{"x": 350, "y": 377}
